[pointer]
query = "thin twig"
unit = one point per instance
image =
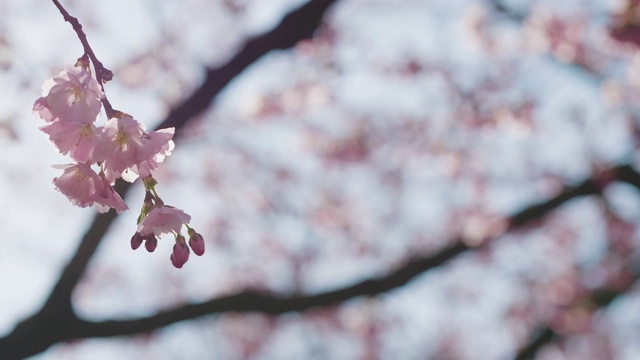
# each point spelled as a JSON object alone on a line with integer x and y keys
{"x": 102, "y": 73}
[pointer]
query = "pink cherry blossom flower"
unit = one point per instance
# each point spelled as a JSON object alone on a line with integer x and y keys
{"x": 72, "y": 95}
{"x": 125, "y": 145}
{"x": 84, "y": 187}
{"x": 41, "y": 108}
{"x": 79, "y": 183}
{"x": 159, "y": 146}
{"x": 107, "y": 198}
{"x": 180, "y": 254}
{"x": 163, "y": 219}
{"x": 79, "y": 140}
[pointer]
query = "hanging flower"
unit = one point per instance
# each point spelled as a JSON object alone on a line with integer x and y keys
{"x": 70, "y": 104}
{"x": 107, "y": 198}
{"x": 72, "y": 95}
{"x": 163, "y": 219}
{"x": 125, "y": 145}
{"x": 79, "y": 183}
{"x": 79, "y": 140}
{"x": 160, "y": 146}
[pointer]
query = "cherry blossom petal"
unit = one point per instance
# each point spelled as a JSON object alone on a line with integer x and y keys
{"x": 41, "y": 109}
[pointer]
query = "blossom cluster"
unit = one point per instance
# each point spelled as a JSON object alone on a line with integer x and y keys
{"x": 156, "y": 219}
{"x": 121, "y": 148}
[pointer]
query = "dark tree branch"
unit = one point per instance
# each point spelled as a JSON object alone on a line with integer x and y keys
{"x": 255, "y": 302}
{"x": 56, "y": 328}
{"x": 629, "y": 175}
{"x": 298, "y": 25}
{"x": 520, "y": 17}
{"x": 499, "y": 7}
{"x": 587, "y": 187}
{"x": 600, "y": 298}
{"x": 542, "y": 336}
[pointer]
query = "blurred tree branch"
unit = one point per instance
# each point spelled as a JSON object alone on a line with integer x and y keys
{"x": 499, "y": 7}
{"x": 254, "y": 302}
{"x": 69, "y": 327}
{"x": 599, "y": 299}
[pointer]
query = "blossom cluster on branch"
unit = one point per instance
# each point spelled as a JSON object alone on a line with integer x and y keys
{"x": 121, "y": 148}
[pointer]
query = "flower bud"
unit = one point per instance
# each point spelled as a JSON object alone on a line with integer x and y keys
{"x": 151, "y": 242}
{"x": 180, "y": 254}
{"x": 136, "y": 240}
{"x": 196, "y": 242}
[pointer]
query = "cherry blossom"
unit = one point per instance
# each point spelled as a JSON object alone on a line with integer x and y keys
{"x": 70, "y": 104}
{"x": 107, "y": 198}
{"x": 72, "y": 95}
{"x": 84, "y": 187}
{"x": 125, "y": 145}
{"x": 161, "y": 146}
{"x": 163, "y": 219}
{"x": 79, "y": 140}
{"x": 79, "y": 183}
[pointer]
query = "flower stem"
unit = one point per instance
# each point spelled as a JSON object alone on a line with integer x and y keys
{"x": 102, "y": 73}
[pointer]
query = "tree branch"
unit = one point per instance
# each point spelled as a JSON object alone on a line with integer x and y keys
{"x": 296, "y": 26}
{"x": 499, "y": 7}
{"x": 544, "y": 335}
{"x": 254, "y": 302}
{"x": 102, "y": 73}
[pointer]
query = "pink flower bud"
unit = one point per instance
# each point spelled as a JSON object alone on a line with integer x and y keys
{"x": 196, "y": 242}
{"x": 151, "y": 243}
{"x": 180, "y": 255}
{"x": 136, "y": 240}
